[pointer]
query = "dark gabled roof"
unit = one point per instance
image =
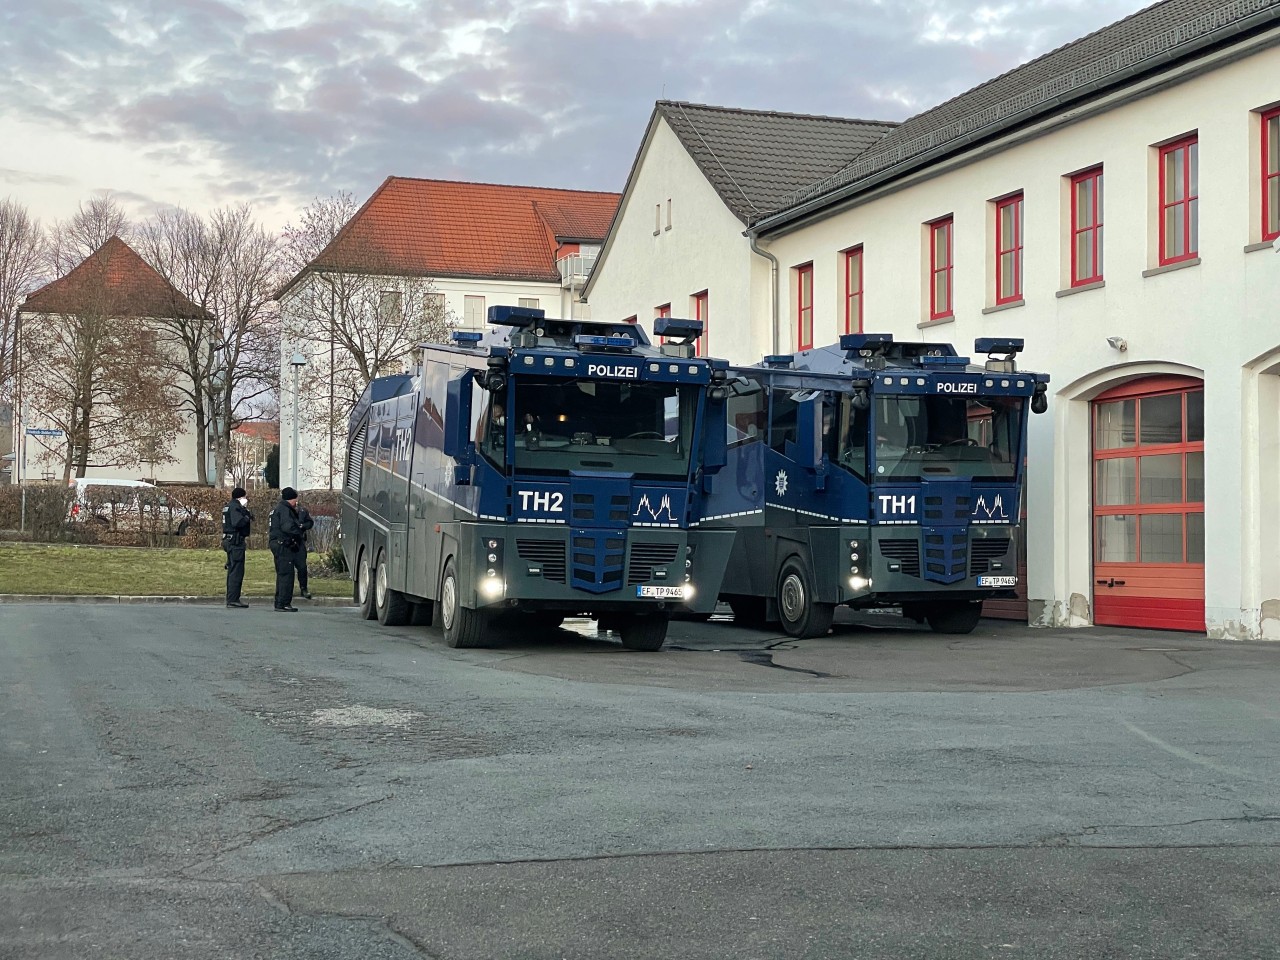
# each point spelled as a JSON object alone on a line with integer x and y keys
{"x": 755, "y": 159}
{"x": 1146, "y": 41}
{"x": 112, "y": 281}
{"x": 443, "y": 228}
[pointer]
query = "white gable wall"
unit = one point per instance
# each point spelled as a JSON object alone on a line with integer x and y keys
{"x": 702, "y": 249}
{"x": 1216, "y": 319}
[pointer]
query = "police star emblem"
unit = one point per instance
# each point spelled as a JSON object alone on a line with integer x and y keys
{"x": 780, "y": 482}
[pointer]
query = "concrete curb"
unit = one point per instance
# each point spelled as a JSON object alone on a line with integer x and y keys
{"x": 253, "y": 601}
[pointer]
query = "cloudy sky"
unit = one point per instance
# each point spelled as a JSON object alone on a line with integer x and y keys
{"x": 203, "y": 103}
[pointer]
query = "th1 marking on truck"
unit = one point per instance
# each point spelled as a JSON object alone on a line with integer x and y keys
{"x": 891, "y": 504}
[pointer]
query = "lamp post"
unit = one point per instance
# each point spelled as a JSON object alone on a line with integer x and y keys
{"x": 298, "y": 362}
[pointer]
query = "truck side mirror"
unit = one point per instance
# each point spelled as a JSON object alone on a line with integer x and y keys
{"x": 457, "y": 419}
{"x": 715, "y": 445}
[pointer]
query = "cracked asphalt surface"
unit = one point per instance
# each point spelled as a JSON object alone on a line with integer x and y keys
{"x": 185, "y": 781}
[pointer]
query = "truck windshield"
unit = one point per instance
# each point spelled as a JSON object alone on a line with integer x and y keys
{"x": 923, "y": 437}
{"x": 641, "y": 428}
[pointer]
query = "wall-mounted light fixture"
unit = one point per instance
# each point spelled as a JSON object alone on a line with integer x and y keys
{"x": 1120, "y": 343}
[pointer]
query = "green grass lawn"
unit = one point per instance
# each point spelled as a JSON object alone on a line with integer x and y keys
{"x": 127, "y": 571}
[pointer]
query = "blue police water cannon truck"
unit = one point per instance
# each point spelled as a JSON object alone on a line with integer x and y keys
{"x": 871, "y": 473}
{"x": 546, "y": 469}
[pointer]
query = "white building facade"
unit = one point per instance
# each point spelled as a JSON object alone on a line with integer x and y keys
{"x": 1128, "y": 237}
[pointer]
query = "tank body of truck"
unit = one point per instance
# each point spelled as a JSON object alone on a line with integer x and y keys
{"x": 547, "y": 469}
{"x": 874, "y": 474}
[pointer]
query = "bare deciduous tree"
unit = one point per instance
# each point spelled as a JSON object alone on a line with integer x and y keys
{"x": 352, "y": 324}
{"x": 22, "y": 248}
{"x": 227, "y": 358}
{"x": 72, "y": 241}
{"x": 95, "y": 374}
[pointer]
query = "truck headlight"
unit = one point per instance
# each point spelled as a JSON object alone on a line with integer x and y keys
{"x": 858, "y": 584}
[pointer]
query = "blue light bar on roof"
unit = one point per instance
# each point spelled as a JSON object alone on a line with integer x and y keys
{"x": 942, "y": 361}
{"x": 990, "y": 345}
{"x": 674, "y": 328}
{"x": 515, "y": 316}
{"x": 779, "y": 360}
{"x": 864, "y": 341}
{"x": 595, "y": 340}
{"x": 467, "y": 337}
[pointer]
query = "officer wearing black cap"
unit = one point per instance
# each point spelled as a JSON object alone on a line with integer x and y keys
{"x": 236, "y": 520}
{"x": 285, "y": 540}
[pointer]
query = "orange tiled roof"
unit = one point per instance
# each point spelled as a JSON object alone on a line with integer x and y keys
{"x": 442, "y": 228}
{"x": 260, "y": 430}
{"x": 115, "y": 281}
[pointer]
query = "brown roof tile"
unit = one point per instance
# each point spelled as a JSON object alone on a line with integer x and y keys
{"x": 113, "y": 281}
{"x": 441, "y": 228}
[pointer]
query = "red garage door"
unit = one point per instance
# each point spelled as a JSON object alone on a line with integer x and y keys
{"x": 1148, "y": 505}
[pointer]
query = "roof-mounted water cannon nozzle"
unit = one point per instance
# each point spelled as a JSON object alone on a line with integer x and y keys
{"x": 494, "y": 379}
{"x": 679, "y": 335}
{"x": 1039, "y": 399}
{"x": 861, "y": 398}
{"x": 868, "y": 348}
{"x": 1000, "y": 352}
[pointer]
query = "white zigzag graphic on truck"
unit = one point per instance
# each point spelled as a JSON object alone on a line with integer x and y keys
{"x": 663, "y": 507}
{"x": 997, "y": 507}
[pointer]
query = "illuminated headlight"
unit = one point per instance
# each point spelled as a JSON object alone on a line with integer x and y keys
{"x": 858, "y": 584}
{"x": 491, "y": 587}
{"x": 688, "y": 591}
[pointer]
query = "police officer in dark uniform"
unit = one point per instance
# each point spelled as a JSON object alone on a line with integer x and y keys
{"x": 236, "y": 520}
{"x": 305, "y": 523}
{"x": 285, "y": 540}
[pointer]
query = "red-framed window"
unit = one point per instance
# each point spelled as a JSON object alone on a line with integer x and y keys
{"x": 631, "y": 319}
{"x": 1086, "y": 227}
{"x": 941, "y": 282}
{"x": 1271, "y": 174}
{"x": 1009, "y": 249}
{"x": 853, "y": 289}
{"x": 702, "y": 311}
{"x": 1179, "y": 200}
{"x": 662, "y": 311}
{"x": 804, "y": 306}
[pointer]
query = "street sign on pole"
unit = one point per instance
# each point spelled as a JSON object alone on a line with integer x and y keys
{"x": 42, "y": 432}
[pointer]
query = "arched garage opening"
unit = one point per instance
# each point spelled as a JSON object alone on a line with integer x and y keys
{"x": 1148, "y": 504}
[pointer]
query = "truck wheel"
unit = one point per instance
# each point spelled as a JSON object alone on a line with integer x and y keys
{"x": 643, "y": 633}
{"x": 748, "y": 611}
{"x": 801, "y": 615}
{"x": 393, "y": 608}
{"x": 463, "y": 627}
{"x": 956, "y": 616}
{"x": 364, "y": 587}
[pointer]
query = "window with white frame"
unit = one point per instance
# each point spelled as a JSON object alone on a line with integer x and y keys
{"x": 473, "y": 312}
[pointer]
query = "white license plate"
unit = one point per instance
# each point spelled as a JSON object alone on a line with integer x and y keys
{"x": 997, "y": 581}
{"x": 661, "y": 593}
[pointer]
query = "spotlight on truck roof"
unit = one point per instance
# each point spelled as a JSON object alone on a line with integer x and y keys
{"x": 673, "y": 328}
{"x": 869, "y": 342}
{"x": 514, "y": 316}
{"x": 1002, "y": 345}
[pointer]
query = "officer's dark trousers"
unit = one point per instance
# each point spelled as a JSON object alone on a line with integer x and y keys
{"x": 300, "y": 565}
{"x": 284, "y": 574}
{"x": 235, "y": 573}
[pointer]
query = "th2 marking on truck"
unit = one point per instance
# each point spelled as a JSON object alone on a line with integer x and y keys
{"x": 541, "y": 501}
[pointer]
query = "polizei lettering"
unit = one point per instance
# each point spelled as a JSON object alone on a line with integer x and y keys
{"x": 952, "y": 386}
{"x": 619, "y": 371}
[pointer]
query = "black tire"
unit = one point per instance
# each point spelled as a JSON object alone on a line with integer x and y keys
{"x": 462, "y": 626}
{"x": 393, "y": 608}
{"x": 362, "y": 592}
{"x": 954, "y": 616}
{"x": 802, "y": 616}
{"x": 423, "y": 610}
{"x": 749, "y": 611}
{"x": 643, "y": 633}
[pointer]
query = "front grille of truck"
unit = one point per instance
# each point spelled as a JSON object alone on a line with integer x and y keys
{"x": 645, "y": 557}
{"x": 904, "y": 552}
{"x": 548, "y": 554}
{"x": 597, "y": 560}
{"x": 600, "y": 511}
{"x": 947, "y": 508}
{"x": 946, "y": 554}
{"x": 982, "y": 552}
